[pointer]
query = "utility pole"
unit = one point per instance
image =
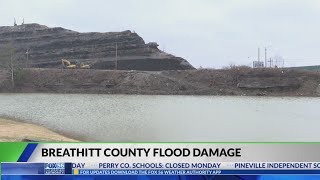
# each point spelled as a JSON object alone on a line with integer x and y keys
{"x": 11, "y": 68}
{"x": 258, "y": 54}
{"x": 27, "y": 53}
{"x": 270, "y": 63}
{"x": 265, "y": 57}
{"x": 116, "y": 64}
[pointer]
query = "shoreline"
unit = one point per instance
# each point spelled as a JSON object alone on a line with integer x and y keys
{"x": 225, "y": 82}
{"x": 128, "y": 94}
{"x": 18, "y": 131}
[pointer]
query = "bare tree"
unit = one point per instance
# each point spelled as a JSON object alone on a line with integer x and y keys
{"x": 8, "y": 60}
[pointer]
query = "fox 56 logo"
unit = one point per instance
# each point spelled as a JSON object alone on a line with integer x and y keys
{"x": 54, "y": 166}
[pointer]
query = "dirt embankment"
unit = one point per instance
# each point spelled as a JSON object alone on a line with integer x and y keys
{"x": 12, "y": 131}
{"x": 234, "y": 81}
{"x": 49, "y": 45}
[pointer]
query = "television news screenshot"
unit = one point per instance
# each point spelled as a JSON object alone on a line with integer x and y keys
{"x": 159, "y": 89}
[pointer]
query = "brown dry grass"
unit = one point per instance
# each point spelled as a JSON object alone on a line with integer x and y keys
{"x": 11, "y": 131}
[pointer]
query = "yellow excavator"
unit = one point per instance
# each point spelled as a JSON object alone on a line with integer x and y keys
{"x": 68, "y": 65}
{"x": 84, "y": 66}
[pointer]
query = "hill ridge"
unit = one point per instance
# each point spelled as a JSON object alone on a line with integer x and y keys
{"x": 47, "y": 46}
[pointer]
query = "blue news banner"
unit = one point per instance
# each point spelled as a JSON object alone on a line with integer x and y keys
{"x": 66, "y": 171}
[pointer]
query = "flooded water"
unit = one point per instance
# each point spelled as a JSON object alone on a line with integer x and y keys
{"x": 168, "y": 118}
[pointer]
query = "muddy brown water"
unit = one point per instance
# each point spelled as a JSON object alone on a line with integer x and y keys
{"x": 168, "y": 118}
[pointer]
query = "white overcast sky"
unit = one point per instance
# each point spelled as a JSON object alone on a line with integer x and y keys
{"x": 208, "y": 33}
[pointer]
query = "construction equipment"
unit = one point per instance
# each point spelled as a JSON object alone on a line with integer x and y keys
{"x": 67, "y": 64}
{"x": 84, "y": 66}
